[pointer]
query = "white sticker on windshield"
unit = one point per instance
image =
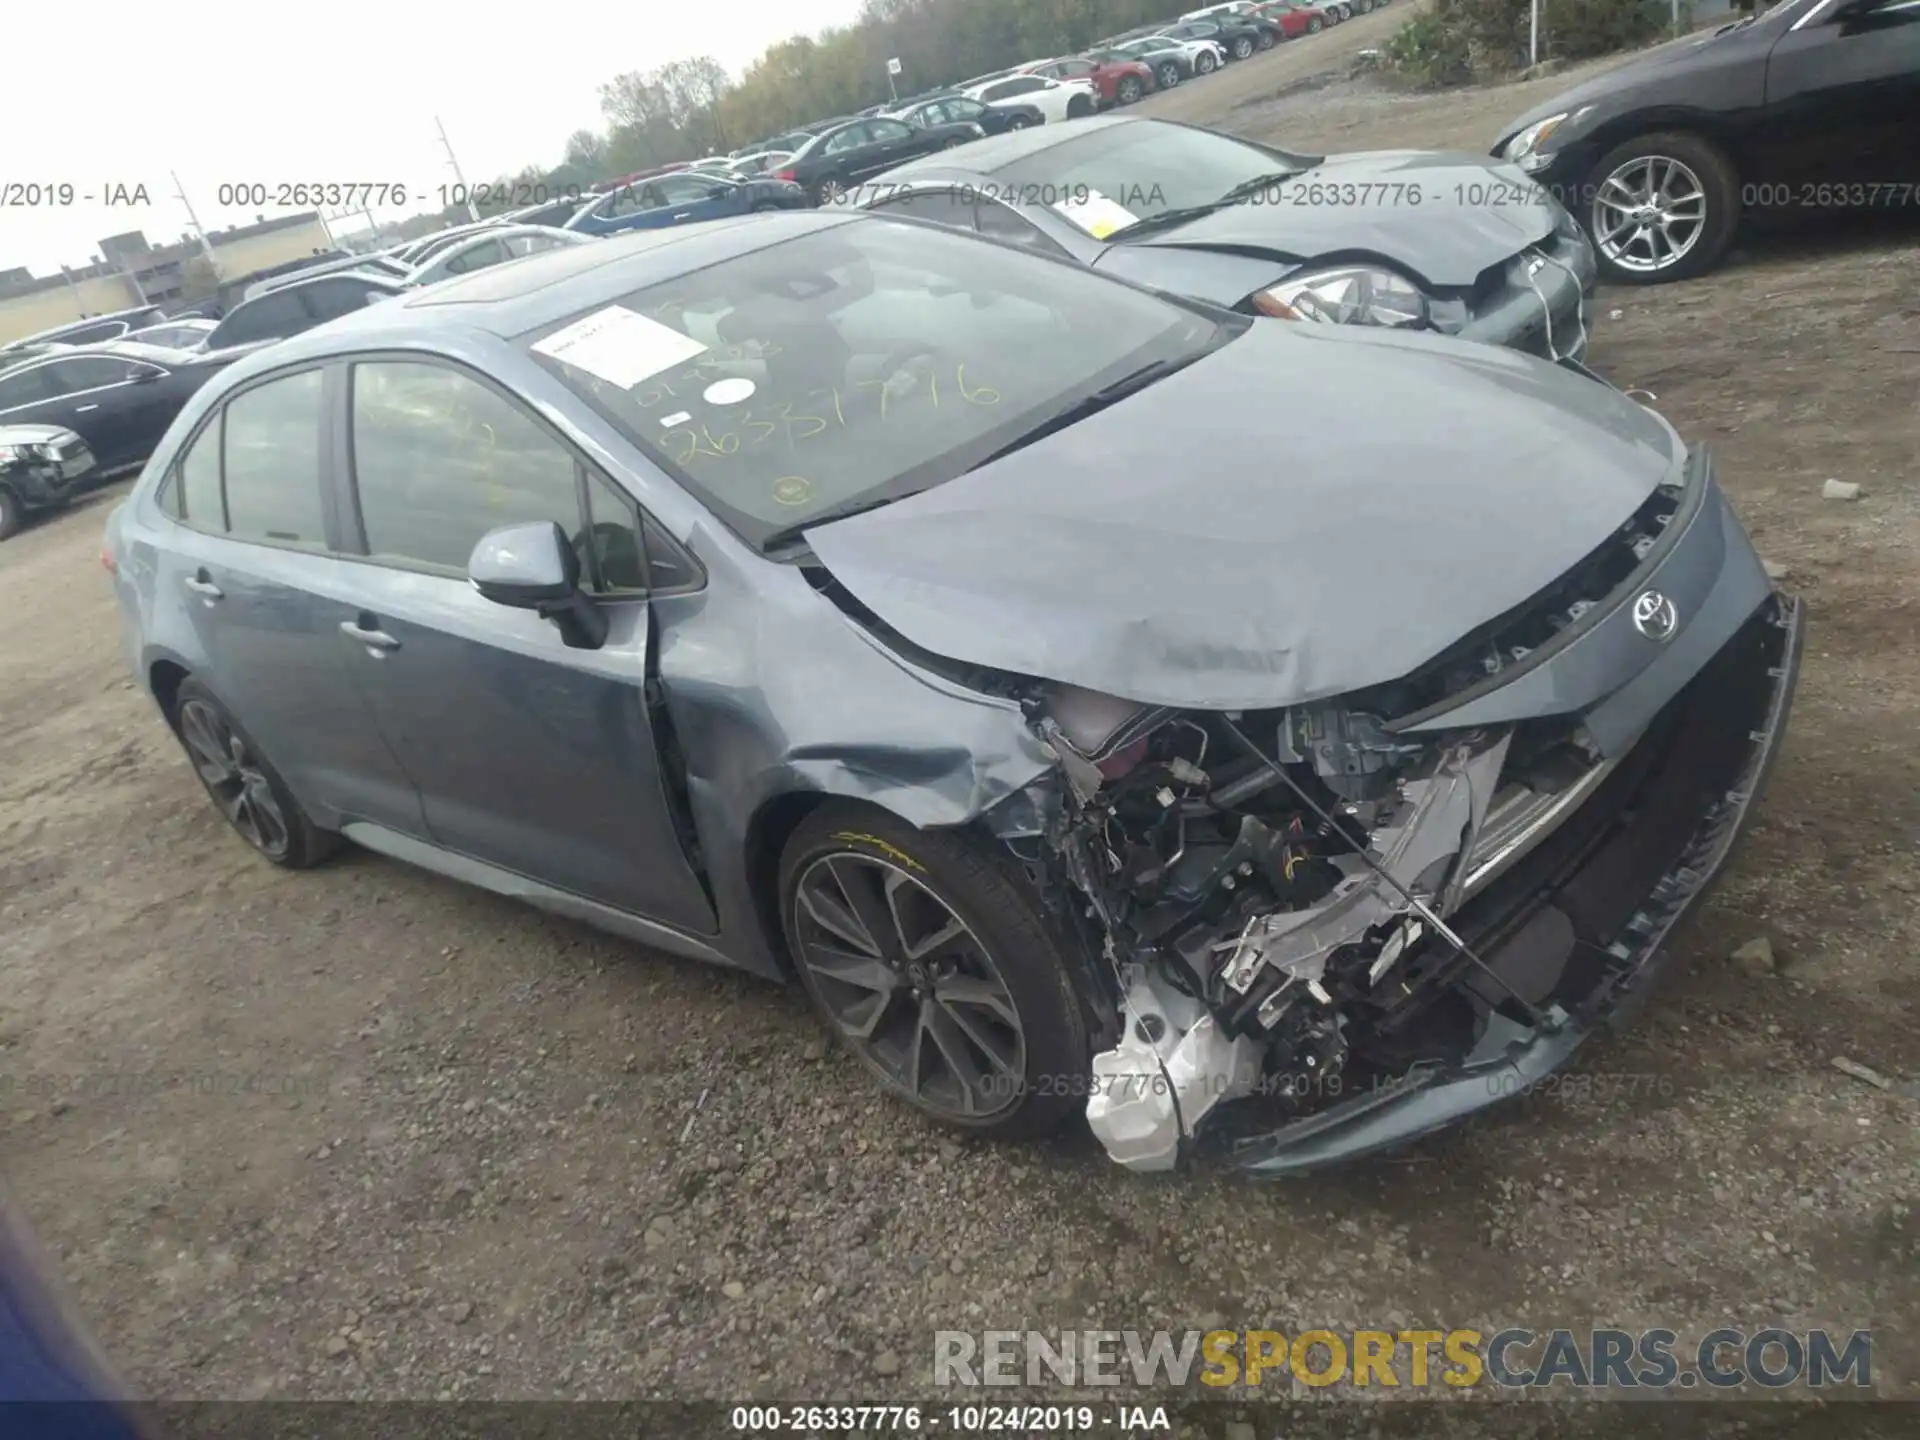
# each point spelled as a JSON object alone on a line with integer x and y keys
{"x": 1095, "y": 213}
{"x": 620, "y": 345}
{"x": 679, "y": 417}
{"x": 730, "y": 391}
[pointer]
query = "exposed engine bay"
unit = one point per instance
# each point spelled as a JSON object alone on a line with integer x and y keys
{"x": 1273, "y": 891}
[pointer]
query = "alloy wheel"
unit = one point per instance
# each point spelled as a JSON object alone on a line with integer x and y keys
{"x": 234, "y": 778}
{"x": 1649, "y": 213}
{"x": 831, "y": 192}
{"x": 1129, "y": 91}
{"x": 1242, "y": 48}
{"x": 1206, "y": 64}
{"x": 909, "y": 986}
{"x": 1169, "y": 75}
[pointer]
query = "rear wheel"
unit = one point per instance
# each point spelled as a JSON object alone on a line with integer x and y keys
{"x": 1242, "y": 48}
{"x": 1314, "y": 27}
{"x": 12, "y": 514}
{"x": 1266, "y": 39}
{"x": 243, "y": 784}
{"x": 932, "y": 963}
{"x": 1169, "y": 75}
{"x": 829, "y": 192}
{"x": 1018, "y": 122}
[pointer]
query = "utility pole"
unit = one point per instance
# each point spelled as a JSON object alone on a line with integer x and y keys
{"x": 460, "y": 179}
{"x": 206, "y": 249}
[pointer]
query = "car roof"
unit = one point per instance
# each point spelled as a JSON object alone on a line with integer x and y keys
{"x": 988, "y": 155}
{"x": 525, "y": 294}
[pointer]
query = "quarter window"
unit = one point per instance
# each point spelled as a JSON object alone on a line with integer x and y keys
{"x": 196, "y": 494}
{"x": 272, "y": 463}
{"x": 440, "y": 459}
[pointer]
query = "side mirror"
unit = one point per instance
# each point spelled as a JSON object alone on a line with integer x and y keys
{"x": 532, "y": 566}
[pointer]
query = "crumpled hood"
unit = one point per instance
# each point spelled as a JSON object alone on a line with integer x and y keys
{"x": 1472, "y": 213}
{"x": 1308, "y": 510}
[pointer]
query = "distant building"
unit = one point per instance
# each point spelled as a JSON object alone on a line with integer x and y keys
{"x": 130, "y": 271}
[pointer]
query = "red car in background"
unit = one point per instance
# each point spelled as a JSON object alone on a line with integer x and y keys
{"x": 1118, "y": 82}
{"x": 1295, "y": 19}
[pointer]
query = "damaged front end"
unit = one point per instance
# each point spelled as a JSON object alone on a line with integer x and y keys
{"x": 1374, "y": 922}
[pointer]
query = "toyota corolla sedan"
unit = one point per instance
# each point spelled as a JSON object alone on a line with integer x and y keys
{"x": 969, "y": 637}
{"x": 1398, "y": 239}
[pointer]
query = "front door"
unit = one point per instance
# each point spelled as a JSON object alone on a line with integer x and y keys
{"x": 528, "y": 755}
{"x": 1842, "y": 115}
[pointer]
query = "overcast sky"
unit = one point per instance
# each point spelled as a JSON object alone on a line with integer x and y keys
{"x": 346, "y": 92}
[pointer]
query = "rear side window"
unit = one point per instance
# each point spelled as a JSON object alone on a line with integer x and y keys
{"x": 272, "y": 316}
{"x": 330, "y": 299}
{"x": 272, "y": 463}
{"x": 439, "y": 459}
{"x": 196, "y": 494}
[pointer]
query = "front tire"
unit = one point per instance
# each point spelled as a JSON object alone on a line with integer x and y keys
{"x": 828, "y": 192}
{"x": 1018, "y": 122}
{"x": 242, "y": 783}
{"x": 1314, "y": 27}
{"x": 1169, "y": 75}
{"x": 1664, "y": 207}
{"x": 933, "y": 964}
{"x": 1129, "y": 90}
{"x": 1242, "y": 48}
{"x": 1206, "y": 64}
{"x": 1266, "y": 40}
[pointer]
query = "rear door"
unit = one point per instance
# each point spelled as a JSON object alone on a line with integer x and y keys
{"x": 892, "y": 142}
{"x": 116, "y": 405}
{"x": 530, "y": 756}
{"x": 1843, "y": 105}
{"x": 688, "y": 198}
{"x": 255, "y": 565}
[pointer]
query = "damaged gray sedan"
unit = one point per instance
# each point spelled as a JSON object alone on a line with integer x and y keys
{"x": 971, "y": 637}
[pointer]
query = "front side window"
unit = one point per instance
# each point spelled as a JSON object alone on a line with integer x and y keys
{"x": 89, "y": 372}
{"x": 439, "y": 459}
{"x": 689, "y": 189}
{"x": 855, "y": 364}
{"x": 272, "y": 463}
{"x": 24, "y": 387}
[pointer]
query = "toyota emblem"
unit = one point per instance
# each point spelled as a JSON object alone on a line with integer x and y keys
{"x": 1654, "y": 616}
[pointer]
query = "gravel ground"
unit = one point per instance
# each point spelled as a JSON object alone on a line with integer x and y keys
{"x": 363, "y": 1133}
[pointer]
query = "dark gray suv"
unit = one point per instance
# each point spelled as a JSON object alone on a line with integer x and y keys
{"x": 977, "y": 639}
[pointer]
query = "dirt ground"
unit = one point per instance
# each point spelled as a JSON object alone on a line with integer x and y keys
{"x": 363, "y": 1133}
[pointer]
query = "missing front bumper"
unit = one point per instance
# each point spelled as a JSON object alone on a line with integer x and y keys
{"x": 1618, "y": 905}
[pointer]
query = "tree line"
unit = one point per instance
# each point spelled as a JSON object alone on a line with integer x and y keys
{"x": 688, "y": 108}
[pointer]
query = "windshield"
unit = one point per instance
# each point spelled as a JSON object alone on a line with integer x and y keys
{"x": 1146, "y": 167}
{"x": 856, "y": 364}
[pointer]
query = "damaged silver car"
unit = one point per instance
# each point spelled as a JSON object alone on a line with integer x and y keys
{"x": 972, "y": 638}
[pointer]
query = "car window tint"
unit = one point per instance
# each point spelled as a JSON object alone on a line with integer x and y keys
{"x": 1000, "y": 222}
{"x": 489, "y": 252}
{"x": 90, "y": 372}
{"x": 943, "y": 206}
{"x": 851, "y": 138}
{"x": 196, "y": 497}
{"x": 24, "y": 387}
{"x": 330, "y": 299}
{"x": 440, "y": 459}
{"x": 965, "y": 109}
{"x": 684, "y": 189}
{"x": 888, "y": 130}
{"x": 272, "y": 462}
{"x": 272, "y": 316}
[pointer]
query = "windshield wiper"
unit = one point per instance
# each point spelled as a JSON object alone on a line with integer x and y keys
{"x": 1086, "y": 405}
{"x": 787, "y": 534}
{"x": 1246, "y": 190}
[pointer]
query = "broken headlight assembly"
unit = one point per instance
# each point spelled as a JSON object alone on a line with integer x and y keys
{"x": 1349, "y": 295}
{"x": 1271, "y": 891}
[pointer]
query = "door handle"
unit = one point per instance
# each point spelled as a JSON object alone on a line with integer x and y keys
{"x": 83, "y": 409}
{"x": 204, "y": 588}
{"x": 376, "y": 640}
{"x": 680, "y": 214}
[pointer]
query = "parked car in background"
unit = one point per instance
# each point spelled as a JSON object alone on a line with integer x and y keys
{"x": 1171, "y": 61}
{"x": 1220, "y": 12}
{"x": 957, "y": 109}
{"x": 1116, "y": 79}
{"x": 386, "y": 263}
{"x": 1484, "y": 256}
{"x": 494, "y": 247}
{"x": 41, "y": 468}
{"x": 297, "y": 307}
{"x": 1057, "y": 100}
{"x": 1813, "y": 106}
{"x": 553, "y": 213}
{"x": 835, "y": 160}
{"x": 682, "y": 198}
{"x": 89, "y": 331}
{"x": 183, "y": 335}
{"x": 117, "y": 396}
{"x": 1238, "y": 35}
{"x": 1295, "y": 21}
{"x": 415, "y": 252}
{"x": 611, "y": 589}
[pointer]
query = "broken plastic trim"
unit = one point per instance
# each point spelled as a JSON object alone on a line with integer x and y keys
{"x": 1511, "y": 1056}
